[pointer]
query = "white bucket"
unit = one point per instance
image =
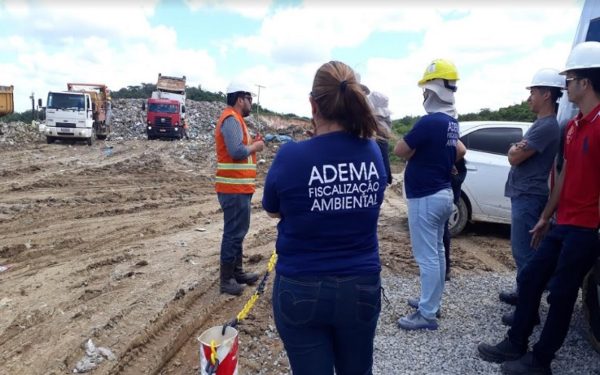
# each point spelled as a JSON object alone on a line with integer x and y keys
{"x": 226, "y": 347}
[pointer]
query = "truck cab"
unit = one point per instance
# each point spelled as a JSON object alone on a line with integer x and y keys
{"x": 69, "y": 115}
{"x": 166, "y": 109}
{"x": 82, "y": 112}
{"x": 164, "y": 118}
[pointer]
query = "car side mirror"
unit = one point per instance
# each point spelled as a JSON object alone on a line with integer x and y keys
{"x": 40, "y": 102}
{"x": 182, "y": 109}
{"x": 143, "y": 106}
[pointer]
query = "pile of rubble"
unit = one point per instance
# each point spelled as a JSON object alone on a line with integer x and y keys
{"x": 18, "y": 132}
{"x": 128, "y": 123}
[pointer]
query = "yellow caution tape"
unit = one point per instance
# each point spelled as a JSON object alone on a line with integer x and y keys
{"x": 213, "y": 352}
{"x": 259, "y": 290}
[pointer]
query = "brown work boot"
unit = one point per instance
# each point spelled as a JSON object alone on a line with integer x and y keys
{"x": 242, "y": 277}
{"x": 229, "y": 284}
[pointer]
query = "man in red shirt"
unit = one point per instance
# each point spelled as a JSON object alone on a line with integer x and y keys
{"x": 569, "y": 249}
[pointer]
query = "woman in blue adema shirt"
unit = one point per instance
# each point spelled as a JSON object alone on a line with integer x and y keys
{"x": 431, "y": 148}
{"x": 327, "y": 192}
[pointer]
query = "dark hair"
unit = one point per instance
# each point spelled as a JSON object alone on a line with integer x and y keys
{"x": 593, "y": 75}
{"x": 340, "y": 97}
{"x": 555, "y": 94}
{"x": 233, "y": 97}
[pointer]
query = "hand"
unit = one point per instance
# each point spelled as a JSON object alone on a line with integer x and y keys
{"x": 538, "y": 232}
{"x": 258, "y": 137}
{"x": 521, "y": 145}
{"x": 258, "y": 146}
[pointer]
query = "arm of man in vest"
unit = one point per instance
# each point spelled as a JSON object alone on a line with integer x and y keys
{"x": 232, "y": 134}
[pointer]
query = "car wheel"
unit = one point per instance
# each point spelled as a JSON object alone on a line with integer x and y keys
{"x": 49, "y": 140}
{"x": 458, "y": 218}
{"x": 591, "y": 304}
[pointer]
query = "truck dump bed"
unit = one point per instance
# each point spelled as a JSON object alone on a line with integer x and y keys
{"x": 7, "y": 105}
{"x": 171, "y": 84}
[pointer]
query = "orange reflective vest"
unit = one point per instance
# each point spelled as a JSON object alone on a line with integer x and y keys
{"x": 234, "y": 176}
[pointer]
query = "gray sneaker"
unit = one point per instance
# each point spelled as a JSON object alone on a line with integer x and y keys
{"x": 416, "y": 321}
{"x": 414, "y": 303}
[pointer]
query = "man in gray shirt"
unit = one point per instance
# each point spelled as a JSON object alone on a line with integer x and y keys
{"x": 532, "y": 159}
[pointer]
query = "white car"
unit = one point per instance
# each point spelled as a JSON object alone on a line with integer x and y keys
{"x": 482, "y": 193}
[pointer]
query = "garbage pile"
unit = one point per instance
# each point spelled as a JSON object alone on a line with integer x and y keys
{"x": 18, "y": 132}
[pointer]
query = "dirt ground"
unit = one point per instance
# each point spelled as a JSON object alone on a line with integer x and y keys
{"x": 121, "y": 246}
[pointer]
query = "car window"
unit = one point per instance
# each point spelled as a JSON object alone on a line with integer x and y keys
{"x": 492, "y": 140}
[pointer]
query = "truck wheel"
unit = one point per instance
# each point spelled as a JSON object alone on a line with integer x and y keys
{"x": 591, "y": 304}
{"x": 49, "y": 140}
{"x": 458, "y": 217}
{"x": 150, "y": 138}
{"x": 92, "y": 138}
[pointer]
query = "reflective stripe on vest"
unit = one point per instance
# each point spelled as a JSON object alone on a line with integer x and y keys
{"x": 234, "y": 176}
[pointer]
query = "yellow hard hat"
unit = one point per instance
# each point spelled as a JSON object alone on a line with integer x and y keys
{"x": 440, "y": 68}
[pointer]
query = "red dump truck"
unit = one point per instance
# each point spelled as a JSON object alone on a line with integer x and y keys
{"x": 166, "y": 109}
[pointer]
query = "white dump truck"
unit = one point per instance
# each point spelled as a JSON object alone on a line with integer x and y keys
{"x": 82, "y": 112}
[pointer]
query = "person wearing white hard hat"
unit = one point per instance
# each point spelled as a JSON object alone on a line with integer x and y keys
{"x": 531, "y": 160}
{"x": 379, "y": 103}
{"x": 431, "y": 148}
{"x": 567, "y": 247}
{"x": 234, "y": 184}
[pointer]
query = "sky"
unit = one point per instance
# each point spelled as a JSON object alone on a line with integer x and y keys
{"x": 497, "y": 46}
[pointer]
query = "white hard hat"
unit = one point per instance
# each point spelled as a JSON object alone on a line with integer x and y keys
{"x": 240, "y": 86}
{"x": 548, "y": 78}
{"x": 379, "y": 102}
{"x": 585, "y": 55}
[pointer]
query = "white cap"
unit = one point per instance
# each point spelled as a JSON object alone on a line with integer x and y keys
{"x": 379, "y": 102}
{"x": 548, "y": 78}
{"x": 240, "y": 86}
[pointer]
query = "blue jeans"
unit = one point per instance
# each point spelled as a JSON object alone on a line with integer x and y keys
{"x": 525, "y": 212}
{"x": 236, "y": 222}
{"x": 328, "y": 321}
{"x": 564, "y": 257}
{"x": 427, "y": 218}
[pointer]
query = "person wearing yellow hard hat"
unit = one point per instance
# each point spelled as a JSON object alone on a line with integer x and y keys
{"x": 567, "y": 247}
{"x": 431, "y": 149}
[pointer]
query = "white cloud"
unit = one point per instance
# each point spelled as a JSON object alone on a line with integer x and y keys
{"x": 496, "y": 48}
{"x": 16, "y": 8}
{"x": 255, "y": 9}
{"x": 117, "y": 47}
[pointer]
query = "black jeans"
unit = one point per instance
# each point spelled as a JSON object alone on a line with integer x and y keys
{"x": 564, "y": 257}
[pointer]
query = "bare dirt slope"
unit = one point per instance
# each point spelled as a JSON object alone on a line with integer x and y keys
{"x": 123, "y": 248}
